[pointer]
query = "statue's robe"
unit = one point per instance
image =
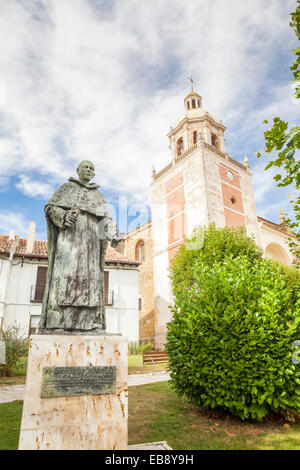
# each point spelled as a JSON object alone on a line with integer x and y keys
{"x": 74, "y": 293}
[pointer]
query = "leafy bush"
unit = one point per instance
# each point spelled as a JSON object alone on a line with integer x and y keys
{"x": 230, "y": 340}
{"x": 134, "y": 347}
{"x": 15, "y": 347}
{"x": 216, "y": 245}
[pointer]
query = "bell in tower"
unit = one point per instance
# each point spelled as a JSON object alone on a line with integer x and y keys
{"x": 193, "y": 101}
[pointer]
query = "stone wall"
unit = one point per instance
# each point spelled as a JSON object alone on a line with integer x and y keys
{"x": 220, "y": 189}
{"x": 178, "y": 205}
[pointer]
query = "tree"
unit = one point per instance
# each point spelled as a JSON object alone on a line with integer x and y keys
{"x": 210, "y": 244}
{"x": 235, "y": 324}
{"x": 16, "y": 346}
{"x": 286, "y": 142}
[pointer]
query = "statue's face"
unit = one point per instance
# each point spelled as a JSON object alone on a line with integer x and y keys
{"x": 86, "y": 170}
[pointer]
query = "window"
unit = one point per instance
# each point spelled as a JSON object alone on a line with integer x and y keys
{"x": 37, "y": 291}
{"x": 108, "y": 293}
{"x": 34, "y": 325}
{"x": 188, "y": 105}
{"x": 194, "y": 137}
{"x": 142, "y": 255}
{"x": 214, "y": 141}
{"x": 140, "y": 304}
{"x": 179, "y": 146}
{"x": 193, "y": 103}
{"x": 140, "y": 251}
{"x": 106, "y": 284}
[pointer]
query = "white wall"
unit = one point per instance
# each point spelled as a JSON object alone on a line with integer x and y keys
{"x": 122, "y": 317}
{"x": 18, "y": 305}
{"x": 4, "y": 279}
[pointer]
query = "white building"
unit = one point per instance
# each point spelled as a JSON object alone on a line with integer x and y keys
{"x": 23, "y": 267}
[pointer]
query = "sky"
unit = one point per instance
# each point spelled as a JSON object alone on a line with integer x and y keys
{"x": 103, "y": 80}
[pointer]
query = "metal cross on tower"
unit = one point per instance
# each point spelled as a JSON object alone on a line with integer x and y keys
{"x": 192, "y": 82}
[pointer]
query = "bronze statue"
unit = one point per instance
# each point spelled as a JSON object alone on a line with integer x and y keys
{"x": 79, "y": 227}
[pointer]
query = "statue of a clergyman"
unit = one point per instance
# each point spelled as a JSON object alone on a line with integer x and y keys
{"x": 79, "y": 227}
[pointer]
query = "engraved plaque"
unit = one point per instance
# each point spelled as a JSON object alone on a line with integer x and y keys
{"x": 71, "y": 381}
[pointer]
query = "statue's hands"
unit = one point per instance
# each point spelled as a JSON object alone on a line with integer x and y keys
{"x": 107, "y": 230}
{"x": 119, "y": 236}
{"x": 71, "y": 217}
{"x": 116, "y": 239}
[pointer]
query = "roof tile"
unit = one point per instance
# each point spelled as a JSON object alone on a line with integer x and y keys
{"x": 40, "y": 250}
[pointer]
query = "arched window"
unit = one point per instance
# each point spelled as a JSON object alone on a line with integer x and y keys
{"x": 140, "y": 251}
{"x": 193, "y": 103}
{"x": 198, "y": 103}
{"x": 179, "y": 146}
{"x": 214, "y": 141}
{"x": 188, "y": 105}
{"x": 277, "y": 252}
{"x": 194, "y": 137}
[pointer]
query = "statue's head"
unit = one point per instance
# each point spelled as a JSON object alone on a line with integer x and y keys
{"x": 86, "y": 171}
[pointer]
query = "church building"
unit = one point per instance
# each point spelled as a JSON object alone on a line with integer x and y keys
{"x": 200, "y": 185}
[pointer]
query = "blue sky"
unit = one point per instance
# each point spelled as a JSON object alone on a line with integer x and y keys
{"x": 104, "y": 80}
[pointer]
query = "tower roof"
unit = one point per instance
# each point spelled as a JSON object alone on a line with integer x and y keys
{"x": 192, "y": 101}
{"x": 192, "y": 93}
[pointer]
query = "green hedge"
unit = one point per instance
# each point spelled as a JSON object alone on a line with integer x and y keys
{"x": 214, "y": 246}
{"x": 230, "y": 340}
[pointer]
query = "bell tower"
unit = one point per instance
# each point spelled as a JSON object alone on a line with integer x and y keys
{"x": 201, "y": 184}
{"x": 195, "y": 126}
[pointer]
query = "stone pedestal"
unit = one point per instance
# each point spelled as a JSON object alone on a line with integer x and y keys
{"x": 81, "y": 422}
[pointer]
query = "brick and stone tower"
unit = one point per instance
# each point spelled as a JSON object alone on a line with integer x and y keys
{"x": 202, "y": 184}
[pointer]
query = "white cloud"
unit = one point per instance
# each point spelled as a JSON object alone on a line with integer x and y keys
{"x": 34, "y": 188}
{"x": 13, "y": 221}
{"x": 85, "y": 85}
{"x": 4, "y": 183}
{"x": 16, "y": 221}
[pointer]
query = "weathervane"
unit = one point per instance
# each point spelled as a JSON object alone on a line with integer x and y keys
{"x": 192, "y": 82}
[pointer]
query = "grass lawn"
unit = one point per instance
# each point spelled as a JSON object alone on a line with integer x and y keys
{"x": 10, "y": 422}
{"x": 135, "y": 362}
{"x": 157, "y": 414}
{"x": 134, "y": 367}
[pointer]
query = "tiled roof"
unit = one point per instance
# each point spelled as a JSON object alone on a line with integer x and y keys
{"x": 113, "y": 256}
{"x": 281, "y": 227}
{"x": 40, "y": 250}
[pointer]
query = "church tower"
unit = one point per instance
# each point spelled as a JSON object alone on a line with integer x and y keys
{"x": 202, "y": 184}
